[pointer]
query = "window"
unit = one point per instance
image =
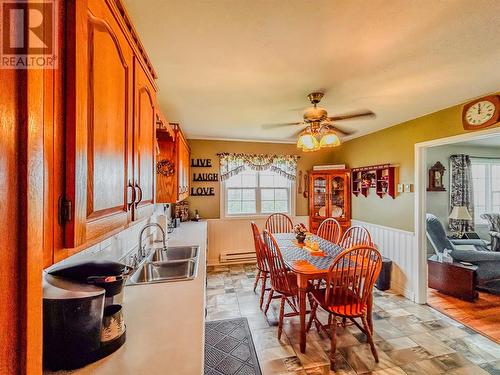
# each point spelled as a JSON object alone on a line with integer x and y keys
{"x": 257, "y": 193}
{"x": 486, "y": 187}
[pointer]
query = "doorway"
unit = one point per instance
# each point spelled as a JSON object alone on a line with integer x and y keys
{"x": 481, "y": 147}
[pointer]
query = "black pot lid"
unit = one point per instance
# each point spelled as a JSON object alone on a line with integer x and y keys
{"x": 82, "y": 270}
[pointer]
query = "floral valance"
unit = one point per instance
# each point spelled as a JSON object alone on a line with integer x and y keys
{"x": 232, "y": 164}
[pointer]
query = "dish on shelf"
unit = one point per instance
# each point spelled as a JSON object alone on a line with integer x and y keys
{"x": 337, "y": 211}
{"x": 322, "y": 211}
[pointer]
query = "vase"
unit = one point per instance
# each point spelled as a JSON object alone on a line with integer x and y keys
{"x": 300, "y": 237}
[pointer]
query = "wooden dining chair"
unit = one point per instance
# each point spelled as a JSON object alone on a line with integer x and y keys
{"x": 279, "y": 223}
{"x": 262, "y": 268}
{"x": 356, "y": 236}
{"x": 349, "y": 284}
{"x": 330, "y": 230}
{"x": 282, "y": 281}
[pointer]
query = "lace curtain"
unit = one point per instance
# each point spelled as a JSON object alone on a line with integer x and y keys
{"x": 232, "y": 164}
{"x": 461, "y": 191}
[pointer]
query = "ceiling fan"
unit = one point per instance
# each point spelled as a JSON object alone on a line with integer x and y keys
{"x": 318, "y": 123}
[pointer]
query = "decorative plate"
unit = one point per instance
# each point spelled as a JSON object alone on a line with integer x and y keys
{"x": 322, "y": 211}
{"x": 337, "y": 211}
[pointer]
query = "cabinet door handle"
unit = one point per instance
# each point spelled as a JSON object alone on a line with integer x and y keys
{"x": 140, "y": 194}
{"x": 130, "y": 203}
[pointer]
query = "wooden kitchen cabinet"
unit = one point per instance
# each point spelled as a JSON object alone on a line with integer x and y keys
{"x": 183, "y": 157}
{"x": 110, "y": 125}
{"x": 173, "y": 151}
{"x": 329, "y": 196}
{"x": 144, "y": 144}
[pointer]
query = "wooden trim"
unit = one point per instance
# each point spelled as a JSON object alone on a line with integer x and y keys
{"x": 134, "y": 40}
{"x": 30, "y": 251}
{"x": 76, "y": 125}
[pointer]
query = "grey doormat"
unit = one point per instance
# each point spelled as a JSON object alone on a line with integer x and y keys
{"x": 229, "y": 348}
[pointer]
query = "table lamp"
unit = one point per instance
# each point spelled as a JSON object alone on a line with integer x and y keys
{"x": 460, "y": 213}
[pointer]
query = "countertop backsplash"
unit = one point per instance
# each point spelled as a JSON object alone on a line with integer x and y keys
{"x": 118, "y": 247}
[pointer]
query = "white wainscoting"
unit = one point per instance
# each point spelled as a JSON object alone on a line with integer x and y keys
{"x": 235, "y": 235}
{"x": 397, "y": 245}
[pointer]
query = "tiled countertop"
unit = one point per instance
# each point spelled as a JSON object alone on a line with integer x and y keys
{"x": 165, "y": 321}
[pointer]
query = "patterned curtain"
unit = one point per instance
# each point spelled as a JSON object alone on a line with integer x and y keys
{"x": 461, "y": 191}
{"x": 233, "y": 164}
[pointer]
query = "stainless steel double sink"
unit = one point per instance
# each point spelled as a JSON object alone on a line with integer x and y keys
{"x": 162, "y": 265}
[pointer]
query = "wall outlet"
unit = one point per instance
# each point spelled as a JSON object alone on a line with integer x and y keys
{"x": 400, "y": 188}
{"x": 408, "y": 188}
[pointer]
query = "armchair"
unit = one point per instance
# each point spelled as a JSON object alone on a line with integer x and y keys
{"x": 494, "y": 227}
{"x": 487, "y": 262}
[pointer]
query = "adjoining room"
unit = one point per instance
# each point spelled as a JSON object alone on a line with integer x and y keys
{"x": 463, "y": 205}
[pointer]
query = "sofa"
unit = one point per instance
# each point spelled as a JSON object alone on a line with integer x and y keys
{"x": 487, "y": 261}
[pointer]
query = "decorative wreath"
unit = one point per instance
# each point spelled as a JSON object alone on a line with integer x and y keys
{"x": 165, "y": 167}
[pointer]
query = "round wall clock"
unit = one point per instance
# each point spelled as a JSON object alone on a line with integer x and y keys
{"x": 481, "y": 113}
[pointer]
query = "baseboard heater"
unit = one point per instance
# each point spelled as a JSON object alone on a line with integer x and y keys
{"x": 248, "y": 257}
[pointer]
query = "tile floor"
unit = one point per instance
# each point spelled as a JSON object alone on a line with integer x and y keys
{"x": 411, "y": 338}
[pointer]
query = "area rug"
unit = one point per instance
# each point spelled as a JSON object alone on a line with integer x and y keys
{"x": 229, "y": 348}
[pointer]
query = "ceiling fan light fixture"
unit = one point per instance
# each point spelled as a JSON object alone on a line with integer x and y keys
{"x": 307, "y": 141}
{"x": 330, "y": 139}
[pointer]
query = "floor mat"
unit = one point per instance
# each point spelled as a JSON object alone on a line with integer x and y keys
{"x": 229, "y": 348}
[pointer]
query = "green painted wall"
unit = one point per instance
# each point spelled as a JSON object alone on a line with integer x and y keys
{"x": 395, "y": 145}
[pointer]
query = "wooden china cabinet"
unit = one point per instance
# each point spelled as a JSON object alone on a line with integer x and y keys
{"x": 329, "y": 196}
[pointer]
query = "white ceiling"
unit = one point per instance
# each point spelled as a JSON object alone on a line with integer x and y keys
{"x": 226, "y": 67}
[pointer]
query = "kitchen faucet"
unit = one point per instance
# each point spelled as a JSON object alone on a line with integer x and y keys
{"x": 141, "y": 252}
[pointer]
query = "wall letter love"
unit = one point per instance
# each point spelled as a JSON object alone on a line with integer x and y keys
{"x": 202, "y": 191}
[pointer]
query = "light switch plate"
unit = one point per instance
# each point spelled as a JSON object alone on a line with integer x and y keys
{"x": 408, "y": 188}
{"x": 400, "y": 188}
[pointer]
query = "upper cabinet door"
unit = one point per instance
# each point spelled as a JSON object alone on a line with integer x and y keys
{"x": 183, "y": 162}
{"x": 99, "y": 123}
{"x": 337, "y": 196}
{"x": 144, "y": 143}
{"x": 319, "y": 200}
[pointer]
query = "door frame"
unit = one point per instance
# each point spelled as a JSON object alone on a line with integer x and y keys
{"x": 420, "y": 255}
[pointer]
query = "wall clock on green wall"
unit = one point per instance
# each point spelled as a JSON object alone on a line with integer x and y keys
{"x": 481, "y": 113}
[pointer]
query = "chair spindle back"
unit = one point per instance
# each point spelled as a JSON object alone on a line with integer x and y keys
{"x": 330, "y": 230}
{"x": 277, "y": 268}
{"x": 356, "y": 236}
{"x": 351, "y": 278}
{"x": 279, "y": 223}
{"x": 259, "y": 248}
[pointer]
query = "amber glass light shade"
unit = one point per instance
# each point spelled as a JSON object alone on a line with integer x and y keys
{"x": 330, "y": 139}
{"x": 308, "y": 142}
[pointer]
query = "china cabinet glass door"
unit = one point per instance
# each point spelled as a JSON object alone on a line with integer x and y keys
{"x": 320, "y": 200}
{"x": 337, "y": 196}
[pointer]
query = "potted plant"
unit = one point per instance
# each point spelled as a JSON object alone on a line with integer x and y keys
{"x": 300, "y": 232}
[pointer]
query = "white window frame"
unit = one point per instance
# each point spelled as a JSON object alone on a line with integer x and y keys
{"x": 488, "y": 186}
{"x": 223, "y": 201}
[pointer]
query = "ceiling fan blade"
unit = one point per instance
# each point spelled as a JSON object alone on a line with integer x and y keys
{"x": 352, "y": 115}
{"x": 344, "y": 133}
{"x": 341, "y": 132}
{"x": 297, "y": 133}
{"x": 272, "y": 126}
